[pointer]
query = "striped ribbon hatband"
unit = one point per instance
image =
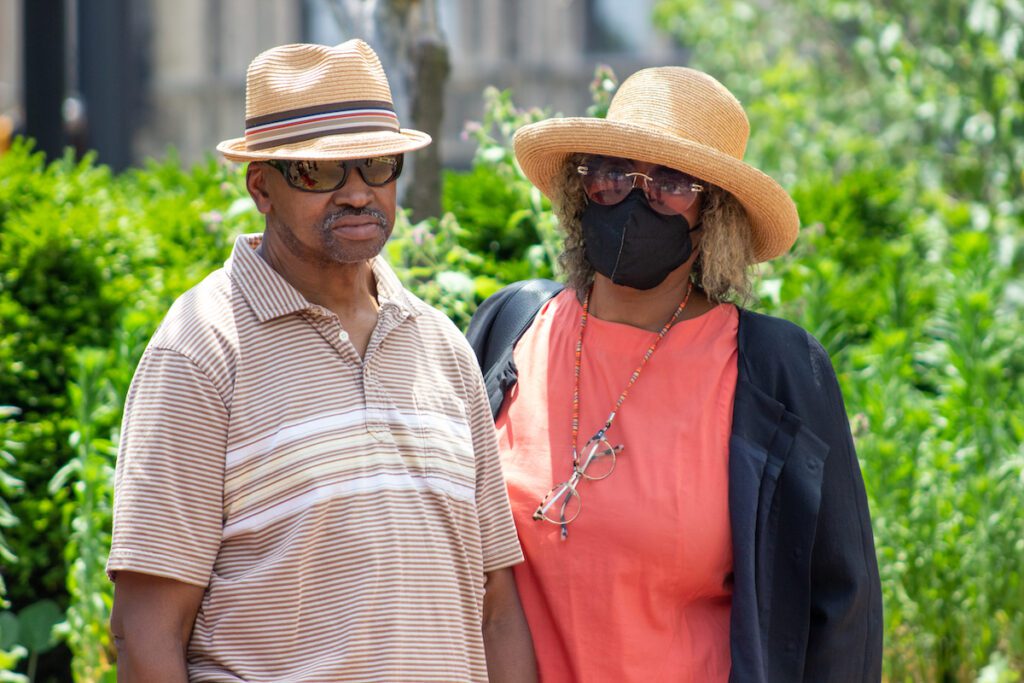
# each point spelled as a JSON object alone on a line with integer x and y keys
{"x": 282, "y": 128}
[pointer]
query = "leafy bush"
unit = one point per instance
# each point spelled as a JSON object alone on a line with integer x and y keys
{"x": 58, "y": 291}
{"x": 497, "y": 227}
{"x": 489, "y": 212}
{"x": 89, "y": 260}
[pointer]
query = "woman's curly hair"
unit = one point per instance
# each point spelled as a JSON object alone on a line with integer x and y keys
{"x": 722, "y": 268}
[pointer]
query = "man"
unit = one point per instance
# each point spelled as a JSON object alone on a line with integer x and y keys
{"x": 308, "y": 485}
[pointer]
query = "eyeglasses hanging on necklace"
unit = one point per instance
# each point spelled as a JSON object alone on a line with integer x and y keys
{"x": 563, "y": 503}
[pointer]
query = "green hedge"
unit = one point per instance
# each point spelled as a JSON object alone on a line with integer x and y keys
{"x": 89, "y": 262}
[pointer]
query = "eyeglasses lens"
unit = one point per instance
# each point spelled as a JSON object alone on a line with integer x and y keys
{"x": 313, "y": 176}
{"x": 598, "y": 459}
{"x": 378, "y": 171}
{"x": 563, "y": 502}
{"x": 327, "y": 176}
{"x": 607, "y": 181}
{"x": 561, "y": 505}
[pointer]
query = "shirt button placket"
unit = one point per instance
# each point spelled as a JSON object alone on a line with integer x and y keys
{"x": 376, "y": 405}
{"x": 377, "y": 401}
{"x": 373, "y": 392}
{"x": 338, "y": 338}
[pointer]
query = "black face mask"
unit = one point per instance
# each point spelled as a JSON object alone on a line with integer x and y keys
{"x": 631, "y": 244}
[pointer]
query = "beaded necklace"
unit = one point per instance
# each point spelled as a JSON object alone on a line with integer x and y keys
{"x": 632, "y": 380}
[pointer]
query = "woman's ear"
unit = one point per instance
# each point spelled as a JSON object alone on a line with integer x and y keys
{"x": 256, "y": 184}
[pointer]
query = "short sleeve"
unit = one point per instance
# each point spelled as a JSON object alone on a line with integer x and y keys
{"x": 497, "y": 529}
{"x": 169, "y": 481}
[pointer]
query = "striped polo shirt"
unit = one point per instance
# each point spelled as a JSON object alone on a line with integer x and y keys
{"x": 339, "y": 511}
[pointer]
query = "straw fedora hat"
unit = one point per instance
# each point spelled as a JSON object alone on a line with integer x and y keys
{"x": 319, "y": 102}
{"x": 676, "y": 117}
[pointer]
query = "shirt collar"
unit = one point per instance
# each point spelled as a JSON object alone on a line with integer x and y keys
{"x": 271, "y": 296}
{"x": 390, "y": 291}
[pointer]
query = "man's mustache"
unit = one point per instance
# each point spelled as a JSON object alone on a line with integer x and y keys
{"x": 353, "y": 211}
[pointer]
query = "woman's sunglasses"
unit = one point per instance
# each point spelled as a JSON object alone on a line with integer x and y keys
{"x": 329, "y": 175}
{"x": 609, "y": 180}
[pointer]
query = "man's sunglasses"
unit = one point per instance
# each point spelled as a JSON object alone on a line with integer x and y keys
{"x": 329, "y": 175}
{"x": 609, "y": 180}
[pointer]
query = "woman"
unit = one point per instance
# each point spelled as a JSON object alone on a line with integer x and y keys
{"x": 681, "y": 470}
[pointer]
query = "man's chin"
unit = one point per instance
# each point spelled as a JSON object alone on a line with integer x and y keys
{"x": 354, "y": 251}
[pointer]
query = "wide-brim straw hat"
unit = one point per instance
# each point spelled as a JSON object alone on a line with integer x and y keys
{"x": 676, "y": 117}
{"x": 319, "y": 102}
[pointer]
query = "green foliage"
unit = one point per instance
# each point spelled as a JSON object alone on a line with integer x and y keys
{"x": 898, "y": 130}
{"x": 55, "y": 294}
{"x": 497, "y": 228}
{"x": 529, "y": 215}
{"x": 828, "y": 83}
{"x": 430, "y": 260}
{"x": 35, "y": 625}
{"x": 87, "y": 260}
{"x": 489, "y": 212}
{"x": 96, "y": 402}
{"x": 10, "y": 651}
{"x": 8, "y": 661}
{"x": 602, "y": 88}
{"x": 9, "y": 486}
{"x": 28, "y": 634}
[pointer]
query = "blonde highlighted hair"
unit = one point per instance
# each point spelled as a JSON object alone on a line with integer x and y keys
{"x": 722, "y": 268}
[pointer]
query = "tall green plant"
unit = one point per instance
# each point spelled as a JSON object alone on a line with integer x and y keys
{"x": 494, "y": 155}
{"x": 9, "y": 486}
{"x": 937, "y": 86}
{"x": 10, "y": 651}
{"x": 96, "y": 404}
{"x": 497, "y": 228}
{"x": 429, "y": 259}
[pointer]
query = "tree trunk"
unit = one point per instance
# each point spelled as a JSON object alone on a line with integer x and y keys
{"x": 406, "y": 37}
{"x": 429, "y": 74}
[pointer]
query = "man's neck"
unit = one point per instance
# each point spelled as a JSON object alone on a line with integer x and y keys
{"x": 345, "y": 288}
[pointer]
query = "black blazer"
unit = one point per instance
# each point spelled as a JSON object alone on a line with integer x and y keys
{"x": 806, "y": 602}
{"x": 806, "y": 599}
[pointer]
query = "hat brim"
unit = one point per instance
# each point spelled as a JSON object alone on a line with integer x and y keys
{"x": 333, "y": 147}
{"x": 542, "y": 149}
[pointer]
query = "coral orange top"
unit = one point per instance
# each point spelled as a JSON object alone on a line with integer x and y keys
{"x": 640, "y": 589}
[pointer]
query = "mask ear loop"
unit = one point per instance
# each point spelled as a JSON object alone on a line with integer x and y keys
{"x": 697, "y": 256}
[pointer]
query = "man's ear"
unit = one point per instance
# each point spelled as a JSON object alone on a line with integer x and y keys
{"x": 256, "y": 184}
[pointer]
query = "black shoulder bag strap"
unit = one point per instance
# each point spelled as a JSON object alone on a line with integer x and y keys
{"x": 498, "y": 324}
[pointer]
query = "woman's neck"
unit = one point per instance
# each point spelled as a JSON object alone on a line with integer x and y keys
{"x": 646, "y": 309}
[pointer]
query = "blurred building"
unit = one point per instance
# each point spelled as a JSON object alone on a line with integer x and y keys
{"x": 10, "y": 65}
{"x": 145, "y": 75}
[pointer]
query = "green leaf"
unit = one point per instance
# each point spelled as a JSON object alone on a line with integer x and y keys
{"x": 9, "y": 629}
{"x": 36, "y": 625}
